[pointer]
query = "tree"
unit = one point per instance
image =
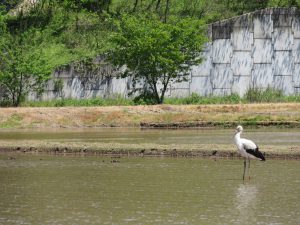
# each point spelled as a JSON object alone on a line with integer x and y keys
{"x": 49, "y": 35}
{"x": 155, "y": 52}
{"x": 8, "y": 4}
{"x": 284, "y": 3}
{"x": 27, "y": 59}
{"x": 244, "y": 6}
{"x": 22, "y": 67}
{"x": 90, "y": 5}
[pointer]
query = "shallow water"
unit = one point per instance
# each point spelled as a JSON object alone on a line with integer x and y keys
{"x": 159, "y": 136}
{"x": 93, "y": 190}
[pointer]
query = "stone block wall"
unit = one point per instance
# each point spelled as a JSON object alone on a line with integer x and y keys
{"x": 259, "y": 49}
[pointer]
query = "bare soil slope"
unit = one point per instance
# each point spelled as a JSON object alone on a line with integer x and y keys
{"x": 287, "y": 114}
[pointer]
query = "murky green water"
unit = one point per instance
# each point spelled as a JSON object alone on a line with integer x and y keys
{"x": 163, "y": 136}
{"x": 92, "y": 190}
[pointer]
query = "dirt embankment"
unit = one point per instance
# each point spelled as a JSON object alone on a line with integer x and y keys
{"x": 285, "y": 114}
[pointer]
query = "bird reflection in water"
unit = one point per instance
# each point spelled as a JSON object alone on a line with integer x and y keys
{"x": 246, "y": 199}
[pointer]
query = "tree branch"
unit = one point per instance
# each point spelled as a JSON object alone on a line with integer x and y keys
{"x": 167, "y": 10}
{"x": 157, "y": 5}
{"x": 135, "y": 5}
{"x": 150, "y": 5}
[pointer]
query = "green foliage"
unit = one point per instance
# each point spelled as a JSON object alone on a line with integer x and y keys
{"x": 35, "y": 43}
{"x": 58, "y": 86}
{"x": 197, "y": 99}
{"x": 13, "y": 121}
{"x": 26, "y": 62}
{"x": 210, "y": 11}
{"x": 22, "y": 68}
{"x": 157, "y": 39}
{"x": 194, "y": 99}
{"x": 253, "y": 95}
{"x": 156, "y": 52}
{"x": 5, "y": 103}
{"x": 8, "y": 5}
{"x": 264, "y": 95}
{"x": 283, "y": 3}
{"x": 243, "y": 6}
{"x": 80, "y": 102}
{"x": 145, "y": 98}
{"x": 253, "y": 120}
{"x": 292, "y": 98}
{"x": 89, "y": 5}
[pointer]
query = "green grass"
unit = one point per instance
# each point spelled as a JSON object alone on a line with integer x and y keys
{"x": 269, "y": 95}
{"x": 13, "y": 121}
{"x": 79, "y": 102}
{"x": 197, "y": 99}
{"x": 120, "y": 101}
{"x": 253, "y": 120}
{"x": 253, "y": 95}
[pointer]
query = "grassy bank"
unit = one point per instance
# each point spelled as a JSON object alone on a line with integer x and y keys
{"x": 219, "y": 115}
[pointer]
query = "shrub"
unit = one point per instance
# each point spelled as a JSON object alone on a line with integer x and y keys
{"x": 267, "y": 95}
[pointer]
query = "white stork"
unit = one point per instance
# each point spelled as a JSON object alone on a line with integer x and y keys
{"x": 247, "y": 148}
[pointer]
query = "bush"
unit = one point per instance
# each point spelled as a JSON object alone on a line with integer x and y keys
{"x": 197, "y": 99}
{"x": 146, "y": 98}
{"x": 267, "y": 95}
{"x": 5, "y": 103}
{"x": 79, "y": 102}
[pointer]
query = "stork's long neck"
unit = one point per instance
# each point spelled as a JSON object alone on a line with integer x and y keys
{"x": 237, "y": 137}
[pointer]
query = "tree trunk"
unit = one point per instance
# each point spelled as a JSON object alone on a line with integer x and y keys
{"x": 153, "y": 86}
{"x": 161, "y": 99}
{"x": 165, "y": 86}
{"x": 13, "y": 99}
{"x": 19, "y": 92}
{"x": 107, "y": 4}
{"x": 167, "y": 10}
{"x": 135, "y": 5}
{"x": 156, "y": 95}
{"x": 150, "y": 5}
{"x": 157, "y": 5}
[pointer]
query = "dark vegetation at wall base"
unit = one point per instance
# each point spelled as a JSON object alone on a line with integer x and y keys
{"x": 38, "y": 38}
{"x": 252, "y": 96}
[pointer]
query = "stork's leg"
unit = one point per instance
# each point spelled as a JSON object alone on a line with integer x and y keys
{"x": 249, "y": 167}
{"x": 244, "y": 169}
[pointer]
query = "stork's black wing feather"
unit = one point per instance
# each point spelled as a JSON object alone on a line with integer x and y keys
{"x": 255, "y": 152}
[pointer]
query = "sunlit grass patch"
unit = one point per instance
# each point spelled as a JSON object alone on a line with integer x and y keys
{"x": 12, "y": 121}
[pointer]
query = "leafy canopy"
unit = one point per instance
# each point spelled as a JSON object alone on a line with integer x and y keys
{"x": 156, "y": 53}
{"x": 24, "y": 65}
{"x": 34, "y": 43}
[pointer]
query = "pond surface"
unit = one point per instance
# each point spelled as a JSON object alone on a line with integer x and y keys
{"x": 57, "y": 190}
{"x": 159, "y": 136}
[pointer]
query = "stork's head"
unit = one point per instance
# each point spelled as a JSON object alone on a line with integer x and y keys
{"x": 239, "y": 128}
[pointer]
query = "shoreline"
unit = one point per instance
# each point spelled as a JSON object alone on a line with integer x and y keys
{"x": 278, "y": 115}
{"x": 144, "y": 150}
{"x": 224, "y": 124}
